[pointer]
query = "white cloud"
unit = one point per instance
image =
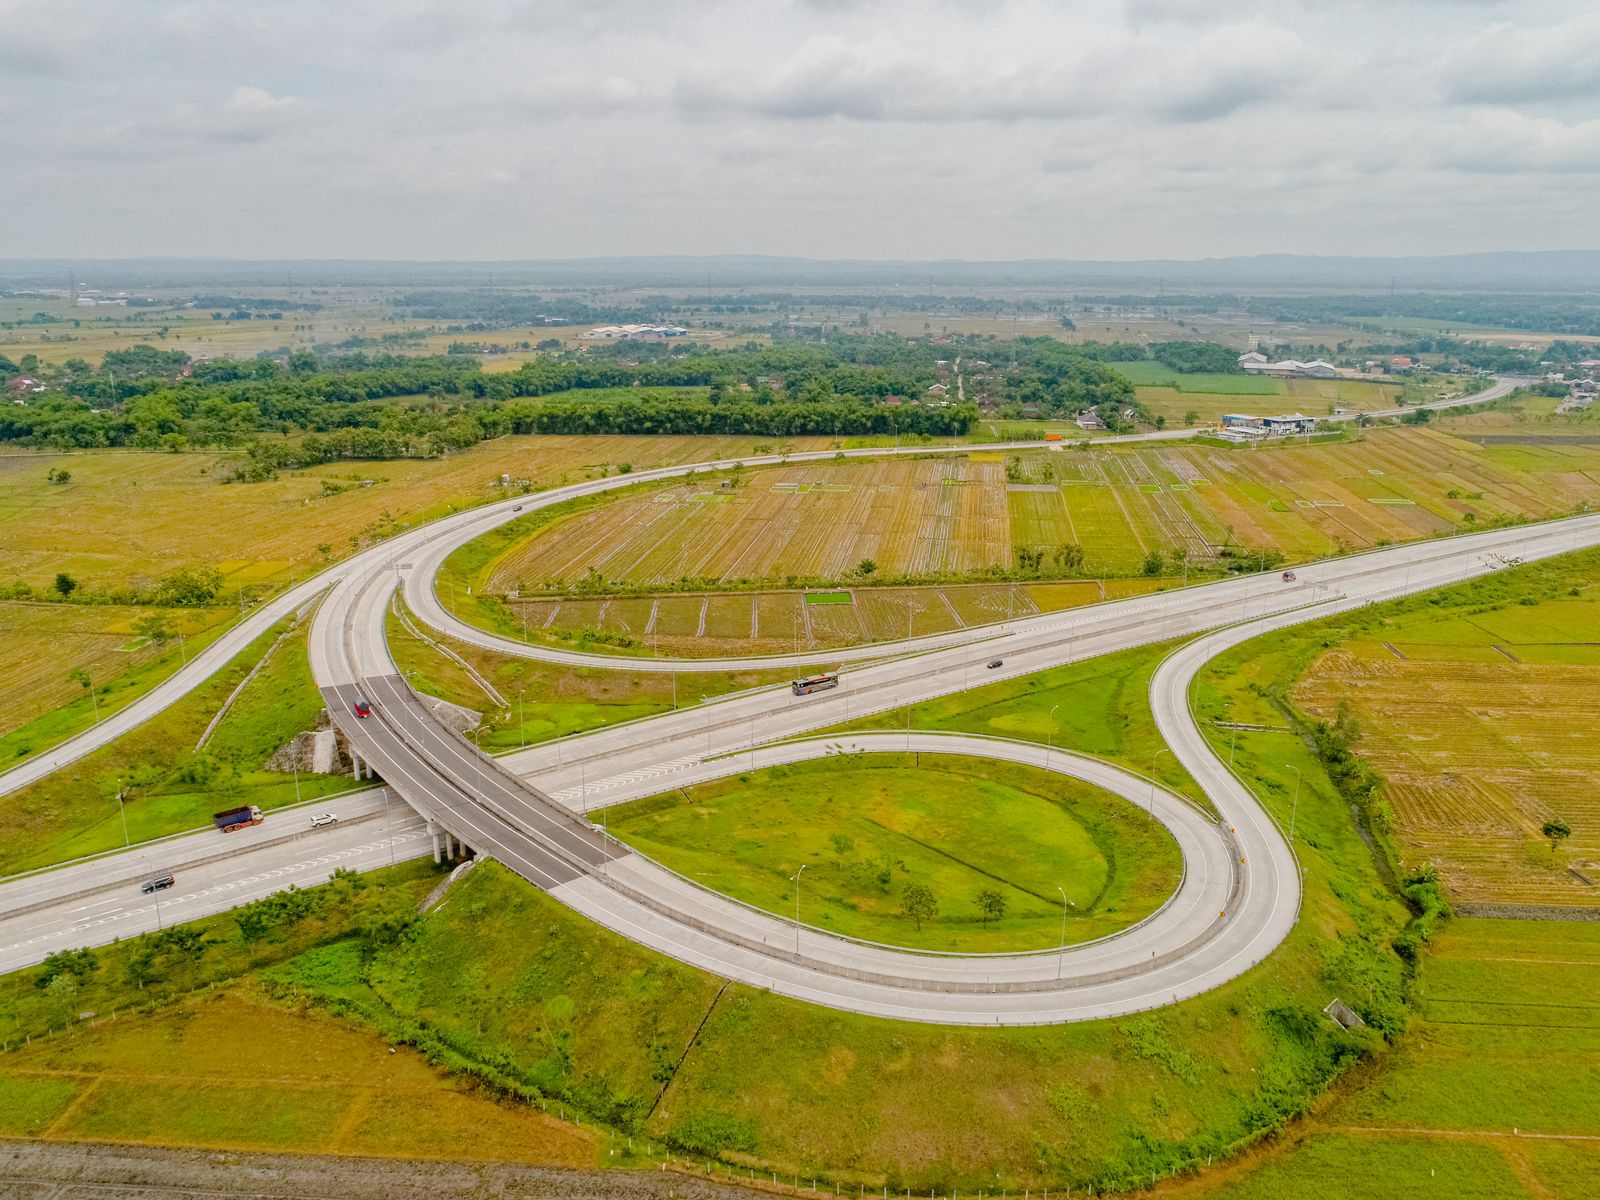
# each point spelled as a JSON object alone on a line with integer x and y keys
{"x": 878, "y": 128}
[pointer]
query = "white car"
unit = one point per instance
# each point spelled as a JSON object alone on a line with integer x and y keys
{"x": 324, "y": 818}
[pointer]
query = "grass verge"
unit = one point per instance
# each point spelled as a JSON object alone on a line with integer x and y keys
{"x": 991, "y": 843}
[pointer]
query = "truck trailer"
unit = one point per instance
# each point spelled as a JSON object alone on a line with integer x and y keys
{"x": 238, "y": 818}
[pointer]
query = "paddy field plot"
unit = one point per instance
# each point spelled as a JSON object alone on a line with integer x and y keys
{"x": 1481, "y": 726}
{"x": 301, "y": 1080}
{"x": 131, "y": 516}
{"x": 869, "y": 826}
{"x": 957, "y": 515}
{"x": 1489, "y": 1095}
{"x": 1264, "y": 397}
{"x": 812, "y": 520}
{"x": 41, "y": 643}
{"x": 732, "y": 623}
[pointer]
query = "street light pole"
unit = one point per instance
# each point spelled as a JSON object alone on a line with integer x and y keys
{"x": 122, "y": 808}
{"x": 1061, "y": 957}
{"x": 1295, "y": 810}
{"x": 1051, "y": 735}
{"x": 796, "y": 880}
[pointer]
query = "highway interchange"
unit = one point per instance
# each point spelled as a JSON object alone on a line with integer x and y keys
{"x": 535, "y": 810}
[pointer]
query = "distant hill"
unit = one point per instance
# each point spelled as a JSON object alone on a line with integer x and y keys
{"x": 1559, "y": 270}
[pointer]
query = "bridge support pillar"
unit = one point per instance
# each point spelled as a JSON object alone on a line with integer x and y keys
{"x": 433, "y": 832}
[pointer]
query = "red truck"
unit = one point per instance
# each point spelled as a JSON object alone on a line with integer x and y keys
{"x": 238, "y": 818}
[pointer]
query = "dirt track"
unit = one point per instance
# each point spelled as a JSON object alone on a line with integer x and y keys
{"x": 95, "y": 1171}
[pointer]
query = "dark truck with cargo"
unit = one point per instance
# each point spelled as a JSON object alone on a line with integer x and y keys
{"x": 238, "y": 818}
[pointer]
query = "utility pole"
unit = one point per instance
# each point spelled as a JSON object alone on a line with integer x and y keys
{"x": 795, "y": 878}
{"x": 1295, "y": 810}
{"x": 1061, "y": 957}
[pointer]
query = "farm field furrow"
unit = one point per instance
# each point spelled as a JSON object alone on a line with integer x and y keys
{"x": 1478, "y": 749}
{"x": 130, "y": 516}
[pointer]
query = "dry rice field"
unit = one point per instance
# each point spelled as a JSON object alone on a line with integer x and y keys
{"x": 1483, "y": 729}
{"x": 128, "y": 515}
{"x": 41, "y": 643}
{"x": 1118, "y": 502}
{"x": 774, "y": 622}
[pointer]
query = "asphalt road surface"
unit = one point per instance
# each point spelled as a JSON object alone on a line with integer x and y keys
{"x": 537, "y": 827}
{"x": 402, "y": 549}
{"x": 98, "y": 900}
{"x": 535, "y": 830}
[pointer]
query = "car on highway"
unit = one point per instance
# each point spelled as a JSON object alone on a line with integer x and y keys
{"x": 361, "y": 708}
{"x": 318, "y": 820}
{"x": 1288, "y": 576}
{"x": 159, "y": 884}
{"x": 996, "y": 662}
{"x": 516, "y": 508}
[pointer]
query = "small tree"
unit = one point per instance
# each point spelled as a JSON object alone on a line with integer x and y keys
{"x": 919, "y": 903}
{"x": 65, "y": 584}
{"x": 1154, "y": 563}
{"x": 62, "y": 992}
{"x": 1557, "y": 831}
{"x": 866, "y": 567}
{"x": 992, "y": 904}
{"x": 154, "y": 627}
{"x": 1192, "y": 417}
{"x": 81, "y": 677}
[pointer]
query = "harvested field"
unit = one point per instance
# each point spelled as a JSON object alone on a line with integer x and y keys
{"x": 128, "y": 516}
{"x": 817, "y": 519}
{"x": 1480, "y": 728}
{"x": 41, "y": 643}
{"x": 307, "y": 1081}
{"x": 1118, "y": 503}
{"x": 712, "y": 624}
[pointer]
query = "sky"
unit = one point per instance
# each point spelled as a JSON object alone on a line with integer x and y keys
{"x": 1113, "y": 129}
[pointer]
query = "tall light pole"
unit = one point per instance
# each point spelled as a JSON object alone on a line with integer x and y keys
{"x": 1061, "y": 956}
{"x": 795, "y": 878}
{"x": 1051, "y": 735}
{"x": 1295, "y": 810}
{"x": 122, "y": 808}
{"x": 1154, "y": 759}
{"x": 703, "y": 700}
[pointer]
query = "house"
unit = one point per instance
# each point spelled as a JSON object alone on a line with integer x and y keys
{"x": 1317, "y": 369}
{"x": 1402, "y": 362}
{"x": 938, "y": 389}
{"x": 1241, "y": 433}
{"x": 1293, "y": 425}
{"x": 1089, "y": 419}
{"x": 1253, "y": 358}
{"x": 1240, "y": 421}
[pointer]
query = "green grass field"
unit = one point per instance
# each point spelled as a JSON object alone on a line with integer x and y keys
{"x": 1154, "y": 374}
{"x": 170, "y": 787}
{"x": 1458, "y": 729}
{"x": 511, "y": 978}
{"x": 1491, "y": 1094}
{"x": 866, "y": 827}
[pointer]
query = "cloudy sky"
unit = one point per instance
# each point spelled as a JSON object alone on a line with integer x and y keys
{"x": 829, "y": 128}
